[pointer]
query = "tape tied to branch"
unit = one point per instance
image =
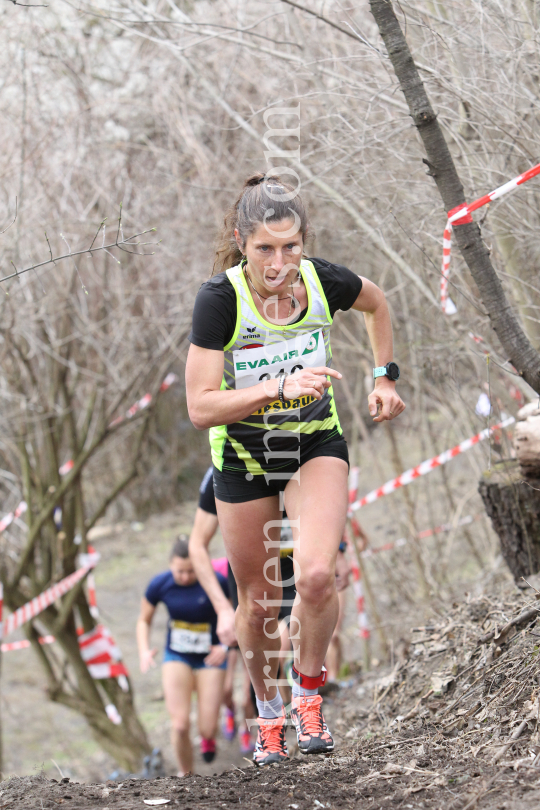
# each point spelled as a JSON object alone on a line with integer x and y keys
{"x": 98, "y": 649}
{"x": 427, "y": 466}
{"x": 461, "y": 215}
{"x": 140, "y": 405}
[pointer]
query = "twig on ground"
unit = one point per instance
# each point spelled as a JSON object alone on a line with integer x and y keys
{"x": 517, "y": 733}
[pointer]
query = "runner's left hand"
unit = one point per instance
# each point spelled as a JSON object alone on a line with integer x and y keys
{"x": 384, "y": 403}
{"x": 216, "y": 656}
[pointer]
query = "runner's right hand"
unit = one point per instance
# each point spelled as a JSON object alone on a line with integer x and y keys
{"x": 146, "y": 660}
{"x": 225, "y": 627}
{"x": 309, "y": 382}
{"x": 216, "y": 656}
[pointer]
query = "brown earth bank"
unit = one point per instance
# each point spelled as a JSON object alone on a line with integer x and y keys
{"x": 374, "y": 774}
{"x": 454, "y": 723}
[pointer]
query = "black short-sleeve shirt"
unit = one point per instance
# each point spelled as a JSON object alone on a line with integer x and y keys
{"x": 214, "y": 314}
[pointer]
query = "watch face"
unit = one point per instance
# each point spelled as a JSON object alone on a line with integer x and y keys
{"x": 392, "y": 371}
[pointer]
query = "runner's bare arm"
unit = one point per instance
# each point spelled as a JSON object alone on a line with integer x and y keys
{"x": 204, "y": 528}
{"x": 144, "y": 623}
{"x": 372, "y": 303}
{"x": 209, "y": 406}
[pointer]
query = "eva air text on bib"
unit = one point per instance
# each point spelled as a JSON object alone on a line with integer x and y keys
{"x": 252, "y": 365}
{"x": 190, "y": 638}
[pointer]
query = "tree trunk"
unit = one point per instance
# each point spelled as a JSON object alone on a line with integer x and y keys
{"x": 127, "y": 742}
{"x": 441, "y": 167}
{"x": 514, "y": 508}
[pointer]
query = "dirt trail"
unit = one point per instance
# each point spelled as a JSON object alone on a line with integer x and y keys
{"x": 422, "y": 733}
{"x": 454, "y": 724}
{"x": 42, "y": 736}
{"x": 416, "y": 768}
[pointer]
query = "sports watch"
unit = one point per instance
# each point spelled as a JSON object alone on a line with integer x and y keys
{"x": 390, "y": 370}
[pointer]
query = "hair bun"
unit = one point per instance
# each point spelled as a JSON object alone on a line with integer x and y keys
{"x": 255, "y": 180}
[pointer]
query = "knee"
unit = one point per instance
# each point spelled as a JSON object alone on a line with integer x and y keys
{"x": 316, "y": 582}
{"x": 180, "y": 725}
{"x": 208, "y": 728}
{"x": 256, "y": 608}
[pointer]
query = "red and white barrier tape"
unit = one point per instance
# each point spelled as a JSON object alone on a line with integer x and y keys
{"x": 143, "y": 403}
{"x": 402, "y": 541}
{"x": 362, "y": 617}
{"x": 101, "y": 654}
{"x": 462, "y": 215}
{"x": 44, "y": 600}
{"x": 98, "y": 649}
{"x": 9, "y": 518}
{"x": 427, "y": 466}
{"x": 92, "y": 601}
{"x": 10, "y": 646}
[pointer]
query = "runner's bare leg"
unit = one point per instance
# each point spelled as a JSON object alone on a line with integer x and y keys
{"x": 209, "y": 683}
{"x": 242, "y": 526}
{"x": 178, "y": 685}
{"x": 320, "y": 503}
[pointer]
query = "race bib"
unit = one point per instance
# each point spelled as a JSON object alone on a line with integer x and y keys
{"x": 190, "y": 638}
{"x": 254, "y": 364}
{"x": 289, "y": 404}
{"x": 286, "y": 539}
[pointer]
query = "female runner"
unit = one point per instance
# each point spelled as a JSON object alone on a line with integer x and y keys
{"x": 193, "y": 655}
{"x": 258, "y": 374}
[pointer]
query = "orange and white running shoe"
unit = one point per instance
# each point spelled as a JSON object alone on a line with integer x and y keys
{"x": 311, "y": 730}
{"x": 271, "y": 746}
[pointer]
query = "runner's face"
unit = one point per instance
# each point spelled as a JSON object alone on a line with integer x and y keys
{"x": 274, "y": 253}
{"x": 182, "y": 571}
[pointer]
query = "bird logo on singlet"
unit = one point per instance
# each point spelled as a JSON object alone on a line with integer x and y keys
{"x": 250, "y": 336}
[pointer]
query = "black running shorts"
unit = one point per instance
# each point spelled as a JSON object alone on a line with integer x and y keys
{"x": 239, "y": 487}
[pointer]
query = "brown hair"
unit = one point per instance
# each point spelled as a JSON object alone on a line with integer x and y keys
{"x": 180, "y": 547}
{"x": 264, "y": 198}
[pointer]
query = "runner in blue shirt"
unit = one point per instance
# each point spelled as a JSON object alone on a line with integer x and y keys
{"x": 193, "y": 656}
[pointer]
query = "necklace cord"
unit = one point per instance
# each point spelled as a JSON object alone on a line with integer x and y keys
{"x": 262, "y": 298}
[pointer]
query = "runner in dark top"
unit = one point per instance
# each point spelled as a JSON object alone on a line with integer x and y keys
{"x": 276, "y": 440}
{"x": 193, "y": 657}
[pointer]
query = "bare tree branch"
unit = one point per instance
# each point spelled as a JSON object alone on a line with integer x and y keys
{"x": 442, "y": 168}
{"x": 90, "y": 251}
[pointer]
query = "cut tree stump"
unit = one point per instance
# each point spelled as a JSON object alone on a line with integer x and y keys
{"x": 513, "y": 504}
{"x": 527, "y": 440}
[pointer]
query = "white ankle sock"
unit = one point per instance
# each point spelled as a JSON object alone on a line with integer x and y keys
{"x": 270, "y": 709}
{"x": 299, "y": 691}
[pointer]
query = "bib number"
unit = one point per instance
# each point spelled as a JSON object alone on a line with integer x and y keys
{"x": 190, "y": 638}
{"x": 266, "y": 375}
